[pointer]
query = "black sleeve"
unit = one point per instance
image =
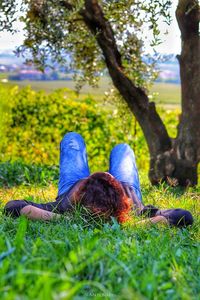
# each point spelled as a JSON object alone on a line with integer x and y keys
{"x": 149, "y": 211}
{"x": 60, "y": 206}
{"x": 177, "y": 217}
{"x": 13, "y": 208}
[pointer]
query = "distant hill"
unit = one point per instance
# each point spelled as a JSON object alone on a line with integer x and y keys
{"x": 168, "y": 69}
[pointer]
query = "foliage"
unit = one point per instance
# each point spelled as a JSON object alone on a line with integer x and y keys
{"x": 37, "y": 122}
{"x": 8, "y": 10}
{"x": 17, "y": 173}
{"x": 33, "y": 123}
{"x": 56, "y": 29}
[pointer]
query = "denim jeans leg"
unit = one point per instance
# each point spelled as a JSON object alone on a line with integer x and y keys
{"x": 73, "y": 161}
{"x": 123, "y": 167}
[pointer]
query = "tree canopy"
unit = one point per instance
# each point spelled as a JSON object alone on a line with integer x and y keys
{"x": 57, "y": 29}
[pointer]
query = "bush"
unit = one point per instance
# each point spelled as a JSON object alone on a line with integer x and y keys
{"x": 17, "y": 173}
{"x": 35, "y": 122}
{"x": 38, "y": 122}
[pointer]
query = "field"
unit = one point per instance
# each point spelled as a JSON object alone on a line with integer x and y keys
{"x": 162, "y": 93}
{"x": 79, "y": 257}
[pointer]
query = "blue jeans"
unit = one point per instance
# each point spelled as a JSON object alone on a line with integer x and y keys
{"x": 74, "y": 164}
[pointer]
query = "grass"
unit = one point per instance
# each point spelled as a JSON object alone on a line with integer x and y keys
{"x": 4, "y": 75}
{"x": 75, "y": 258}
{"x": 167, "y": 94}
{"x": 50, "y": 86}
{"x": 163, "y": 93}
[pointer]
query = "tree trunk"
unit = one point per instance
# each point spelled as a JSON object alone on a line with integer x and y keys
{"x": 187, "y": 144}
{"x": 179, "y": 164}
{"x": 176, "y": 160}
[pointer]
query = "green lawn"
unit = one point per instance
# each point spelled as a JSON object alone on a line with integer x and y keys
{"x": 78, "y": 258}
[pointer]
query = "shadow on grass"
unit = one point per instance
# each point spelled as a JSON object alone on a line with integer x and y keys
{"x": 17, "y": 173}
{"x": 166, "y": 189}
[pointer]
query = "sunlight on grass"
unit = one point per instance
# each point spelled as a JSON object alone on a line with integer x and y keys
{"x": 38, "y": 194}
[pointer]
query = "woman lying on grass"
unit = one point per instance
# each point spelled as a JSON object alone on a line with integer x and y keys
{"x": 107, "y": 194}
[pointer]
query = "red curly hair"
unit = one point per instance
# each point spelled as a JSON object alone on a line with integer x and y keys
{"x": 102, "y": 194}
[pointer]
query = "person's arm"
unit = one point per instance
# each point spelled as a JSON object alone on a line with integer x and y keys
{"x": 35, "y": 213}
{"x": 174, "y": 217}
{"x": 154, "y": 220}
{"x": 42, "y": 211}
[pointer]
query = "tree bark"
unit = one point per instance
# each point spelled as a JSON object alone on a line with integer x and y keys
{"x": 187, "y": 144}
{"x": 173, "y": 161}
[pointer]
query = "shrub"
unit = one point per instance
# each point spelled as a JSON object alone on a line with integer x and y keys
{"x": 17, "y": 173}
{"x": 35, "y": 123}
{"x": 38, "y": 122}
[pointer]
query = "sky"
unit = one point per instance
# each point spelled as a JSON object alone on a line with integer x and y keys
{"x": 170, "y": 43}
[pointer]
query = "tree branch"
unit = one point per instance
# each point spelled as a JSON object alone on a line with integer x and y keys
{"x": 66, "y": 4}
{"x": 136, "y": 98}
